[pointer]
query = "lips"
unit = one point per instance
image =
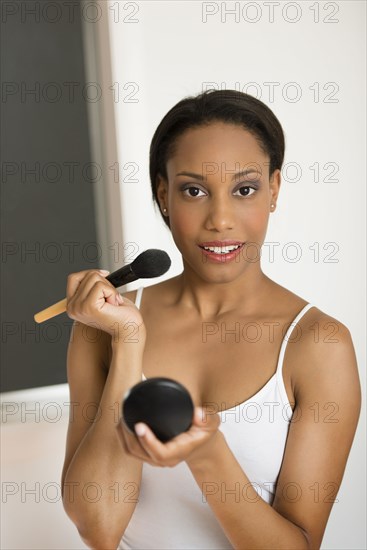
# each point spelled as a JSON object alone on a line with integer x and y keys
{"x": 221, "y": 251}
{"x": 221, "y": 247}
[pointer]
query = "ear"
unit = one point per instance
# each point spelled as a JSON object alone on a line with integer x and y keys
{"x": 162, "y": 192}
{"x": 275, "y": 182}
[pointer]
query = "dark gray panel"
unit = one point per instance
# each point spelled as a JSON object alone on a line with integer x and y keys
{"x": 47, "y": 217}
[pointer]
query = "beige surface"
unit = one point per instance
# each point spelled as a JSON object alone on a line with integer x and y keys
{"x": 32, "y": 454}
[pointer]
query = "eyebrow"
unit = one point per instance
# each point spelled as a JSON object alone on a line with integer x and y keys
{"x": 201, "y": 178}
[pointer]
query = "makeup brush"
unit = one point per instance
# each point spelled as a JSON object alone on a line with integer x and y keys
{"x": 149, "y": 264}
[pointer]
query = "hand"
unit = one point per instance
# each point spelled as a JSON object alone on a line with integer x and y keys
{"x": 194, "y": 445}
{"x": 94, "y": 301}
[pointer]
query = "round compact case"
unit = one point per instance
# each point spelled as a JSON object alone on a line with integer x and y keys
{"x": 162, "y": 403}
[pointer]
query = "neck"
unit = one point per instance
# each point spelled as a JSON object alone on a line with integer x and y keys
{"x": 212, "y": 299}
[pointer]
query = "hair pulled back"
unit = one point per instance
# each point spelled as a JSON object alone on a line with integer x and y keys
{"x": 229, "y": 106}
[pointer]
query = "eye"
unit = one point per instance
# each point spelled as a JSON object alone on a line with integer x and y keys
{"x": 245, "y": 190}
{"x": 192, "y": 191}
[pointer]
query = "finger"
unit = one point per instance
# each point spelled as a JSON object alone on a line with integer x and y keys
{"x": 158, "y": 452}
{"x": 202, "y": 428}
{"x": 174, "y": 451}
{"x": 98, "y": 294}
{"x": 185, "y": 442}
{"x": 94, "y": 285}
{"x": 86, "y": 284}
{"x": 74, "y": 280}
{"x": 133, "y": 445}
{"x": 93, "y": 295}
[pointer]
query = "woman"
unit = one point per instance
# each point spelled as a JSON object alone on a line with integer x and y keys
{"x": 274, "y": 379}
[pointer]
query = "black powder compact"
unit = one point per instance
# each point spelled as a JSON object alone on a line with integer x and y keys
{"x": 162, "y": 403}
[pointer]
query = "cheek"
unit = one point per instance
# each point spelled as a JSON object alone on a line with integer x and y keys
{"x": 184, "y": 221}
{"x": 256, "y": 220}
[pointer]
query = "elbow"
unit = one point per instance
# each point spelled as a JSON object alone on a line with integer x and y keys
{"x": 97, "y": 540}
{"x": 97, "y": 537}
{"x": 96, "y": 528}
{"x": 93, "y": 534}
{"x": 69, "y": 508}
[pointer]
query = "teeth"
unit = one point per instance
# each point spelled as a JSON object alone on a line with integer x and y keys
{"x": 222, "y": 249}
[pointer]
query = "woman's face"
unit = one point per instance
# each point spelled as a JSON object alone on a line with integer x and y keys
{"x": 218, "y": 198}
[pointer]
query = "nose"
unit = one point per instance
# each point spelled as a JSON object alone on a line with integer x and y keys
{"x": 220, "y": 215}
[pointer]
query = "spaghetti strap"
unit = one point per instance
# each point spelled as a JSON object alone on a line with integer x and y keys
{"x": 138, "y": 296}
{"x": 137, "y": 303}
{"x": 293, "y": 327}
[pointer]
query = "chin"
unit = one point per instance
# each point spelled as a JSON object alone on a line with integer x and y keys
{"x": 213, "y": 274}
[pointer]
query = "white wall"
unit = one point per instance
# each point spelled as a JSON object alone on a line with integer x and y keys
{"x": 163, "y": 51}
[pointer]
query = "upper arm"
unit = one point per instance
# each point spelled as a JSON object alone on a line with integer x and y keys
{"x": 87, "y": 358}
{"x": 328, "y": 399}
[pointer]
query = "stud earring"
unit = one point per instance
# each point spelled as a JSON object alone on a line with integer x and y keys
{"x": 164, "y": 210}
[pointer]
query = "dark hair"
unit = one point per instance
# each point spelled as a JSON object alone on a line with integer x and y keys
{"x": 211, "y": 106}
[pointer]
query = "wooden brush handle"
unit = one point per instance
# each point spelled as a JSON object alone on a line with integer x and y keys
{"x": 51, "y": 311}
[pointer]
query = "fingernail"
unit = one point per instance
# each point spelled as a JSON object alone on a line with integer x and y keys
{"x": 104, "y": 271}
{"x": 140, "y": 429}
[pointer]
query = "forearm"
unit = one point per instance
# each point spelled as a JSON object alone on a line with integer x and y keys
{"x": 247, "y": 520}
{"x": 101, "y": 485}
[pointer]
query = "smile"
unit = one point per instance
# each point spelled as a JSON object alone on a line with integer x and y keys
{"x": 221, "y": 249}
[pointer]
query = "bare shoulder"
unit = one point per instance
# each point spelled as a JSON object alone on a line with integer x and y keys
{"x": 320, "y": 359}
{"x": 315, "y": 327}
{"x": 324, "y": 363}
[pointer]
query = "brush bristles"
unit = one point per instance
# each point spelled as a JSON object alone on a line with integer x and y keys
{"x": 151, "y": 263}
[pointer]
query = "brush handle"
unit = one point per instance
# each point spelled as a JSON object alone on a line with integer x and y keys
{"x": 151, "y": 263}
{"x": 51, "y": 311}
{"x": 121, "y": 276}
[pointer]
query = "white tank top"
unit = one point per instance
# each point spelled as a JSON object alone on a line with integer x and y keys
{"x": 172, "y": 513}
